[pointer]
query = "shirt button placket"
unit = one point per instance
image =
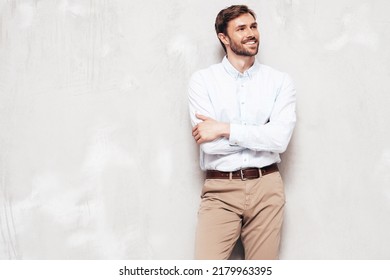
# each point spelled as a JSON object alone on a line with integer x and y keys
{"x": 242, "y": 103}
{"x": 243, "y": 118}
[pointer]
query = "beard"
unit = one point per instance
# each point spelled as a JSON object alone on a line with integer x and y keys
{"x": 239, "y": 48}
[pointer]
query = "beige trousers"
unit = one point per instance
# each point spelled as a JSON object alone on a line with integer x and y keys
{"x": 252, "y": 209}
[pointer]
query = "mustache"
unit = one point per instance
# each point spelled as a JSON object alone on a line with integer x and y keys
{"x": 252, "y": 38}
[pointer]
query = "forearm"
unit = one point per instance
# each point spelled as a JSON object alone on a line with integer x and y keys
{"x": 271, "y": 137}
{"x": 220, "y": 146}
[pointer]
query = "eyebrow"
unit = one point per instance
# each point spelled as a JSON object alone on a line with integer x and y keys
{"x": 240, "y": 26}
{"x": 244, "y": 25}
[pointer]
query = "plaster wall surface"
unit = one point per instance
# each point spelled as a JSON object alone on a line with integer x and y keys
{"x": 97, "y": 160}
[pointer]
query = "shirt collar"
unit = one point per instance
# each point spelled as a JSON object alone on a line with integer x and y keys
{"x": 235, "y": 73}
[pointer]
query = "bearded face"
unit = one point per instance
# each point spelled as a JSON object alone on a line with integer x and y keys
{"x": 242, "y": 36}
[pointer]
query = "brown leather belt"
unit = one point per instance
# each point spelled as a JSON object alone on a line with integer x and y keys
{"x": 243, "y": 174}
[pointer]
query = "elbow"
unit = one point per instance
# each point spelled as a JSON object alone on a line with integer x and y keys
{"x": 211, "y": 148}
{"x": 279, "y": 148}
{"x": 207, "y": 148}
{"x": 281, "y": 144}
{"x": 282, "y": 149}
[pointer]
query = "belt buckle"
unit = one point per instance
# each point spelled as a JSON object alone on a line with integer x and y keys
{"x": 242, "y": 175}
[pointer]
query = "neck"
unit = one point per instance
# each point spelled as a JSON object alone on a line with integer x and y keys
{"x": 240, "y": 62}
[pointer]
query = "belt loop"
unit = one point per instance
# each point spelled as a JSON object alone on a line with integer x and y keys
{"x": 260, "y": 174}
{"x": 230, "y": 176}
{"x": 243, "y": 178}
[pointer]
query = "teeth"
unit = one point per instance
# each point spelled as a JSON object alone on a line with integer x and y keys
{"x": 251, "y": 42}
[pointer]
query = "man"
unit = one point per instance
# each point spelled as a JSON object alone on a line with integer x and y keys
{"x": 243, "y": 116}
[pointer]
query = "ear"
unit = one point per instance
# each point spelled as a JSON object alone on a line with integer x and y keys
{"x": 223, "y": 38}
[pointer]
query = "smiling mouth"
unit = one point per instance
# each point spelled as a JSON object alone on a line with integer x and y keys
{"x": 250, "y": 41}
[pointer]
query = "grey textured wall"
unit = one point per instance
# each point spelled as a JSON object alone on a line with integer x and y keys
{"x": 96, "y": 155}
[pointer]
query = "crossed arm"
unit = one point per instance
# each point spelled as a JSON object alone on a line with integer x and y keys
{"x": 220, "y": 138}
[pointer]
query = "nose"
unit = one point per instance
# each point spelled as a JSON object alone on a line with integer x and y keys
{"x": 249, "y": 33}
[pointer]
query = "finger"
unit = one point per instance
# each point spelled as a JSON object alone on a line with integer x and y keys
{"x": 195, "y": 131}
{"x": 197, "y": 138}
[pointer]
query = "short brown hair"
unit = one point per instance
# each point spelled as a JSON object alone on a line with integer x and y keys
{"x": 228, "y": 14}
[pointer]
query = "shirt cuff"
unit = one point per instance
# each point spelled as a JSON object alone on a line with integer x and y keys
{"x": 236, "y": 134}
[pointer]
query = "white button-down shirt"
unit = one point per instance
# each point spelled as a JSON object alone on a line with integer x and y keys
{"x": 259, "y": 104}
